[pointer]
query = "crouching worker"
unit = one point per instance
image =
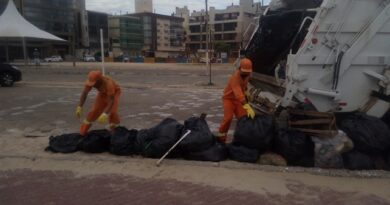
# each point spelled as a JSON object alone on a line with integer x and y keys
{"x": 234, "y": 100}
{"x": 105, "y": 107}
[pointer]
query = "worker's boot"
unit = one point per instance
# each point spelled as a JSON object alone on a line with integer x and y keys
{"x": 85, "y": 127}
{"x": 221, "y": 137}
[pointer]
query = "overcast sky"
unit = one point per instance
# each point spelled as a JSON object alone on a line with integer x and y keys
{"x": 161, "y": 6}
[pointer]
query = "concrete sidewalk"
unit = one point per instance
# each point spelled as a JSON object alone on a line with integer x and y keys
{"x": 85, "y": 179}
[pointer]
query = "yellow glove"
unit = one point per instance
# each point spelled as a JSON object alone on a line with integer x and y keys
{"x": 79, "y": 110}
{"x": 251, "y": 113}
{"x": 103, "y": 118}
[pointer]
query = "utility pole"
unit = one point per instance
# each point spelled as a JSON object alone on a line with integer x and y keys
{"x": 74, "y": 50}
{"x": 102, "y": 51}
{"x": 208, "y": 37}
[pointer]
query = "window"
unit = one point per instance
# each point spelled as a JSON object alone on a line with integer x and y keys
{"x": 218, "y": 27}
{"x": 195, "y": 29}
{"x": 229, "y": 26}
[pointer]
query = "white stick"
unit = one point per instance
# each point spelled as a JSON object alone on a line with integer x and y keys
{"x": 102, "y": 51}
{"x": 173, "y": 147}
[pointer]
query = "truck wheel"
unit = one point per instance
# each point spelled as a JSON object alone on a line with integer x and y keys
{"x": 6, "y": 80}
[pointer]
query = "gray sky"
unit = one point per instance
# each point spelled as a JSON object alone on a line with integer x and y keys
{"x": 161, "y": 6}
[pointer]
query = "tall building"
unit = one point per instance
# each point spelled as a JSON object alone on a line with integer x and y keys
{"x": 143, "y": 6}
{"x": 97, "y": 21}
{"x": 82, "y": 24}
{"x": 185, "y": 14}
{"x": 126, "y": 35}
{"x": 65, "y": 19}
{"x": 226, "y": 25}
{"x": 163, "y": 35}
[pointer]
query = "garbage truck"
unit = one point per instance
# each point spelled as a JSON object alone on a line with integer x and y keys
{"x": 316, "y": 61}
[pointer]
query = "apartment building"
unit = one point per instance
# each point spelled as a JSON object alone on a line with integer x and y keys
{"x": 226, "y": 25}
{"x": 163, "y": 35}
{"x": 126, "y": 35}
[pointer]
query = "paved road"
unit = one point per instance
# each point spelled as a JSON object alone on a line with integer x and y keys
{"x": 43, "y": 105}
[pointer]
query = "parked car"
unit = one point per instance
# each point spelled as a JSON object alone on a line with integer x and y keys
{"x": 89, "y": 59}
{"x": 54, "y": 59}
{"x": 203, "y": 60}
{"x": 126, "y": 59}
{"x": 98, "y": 58}
{"x": 9, "y": 74}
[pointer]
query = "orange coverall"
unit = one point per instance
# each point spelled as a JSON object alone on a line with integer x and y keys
{"x": 233, "y": 97}
{"x": 109, "y": 88}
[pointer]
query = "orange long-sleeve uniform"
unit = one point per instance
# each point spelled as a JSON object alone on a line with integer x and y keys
{"x": 233, "y": 99}
{"x": 108, "y": 89}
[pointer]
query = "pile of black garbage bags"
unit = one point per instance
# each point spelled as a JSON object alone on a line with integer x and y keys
{"x": 255, "y": 141}
{"x": 200, "y": 144}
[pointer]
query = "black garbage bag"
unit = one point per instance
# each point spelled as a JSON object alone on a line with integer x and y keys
{"x": 155, "y": 142}
{"x": 254, "y": 133}
{"x": 355, "y": 160}
{"x": 388, "y": 159}
{"x": 200, "y": 137}
{"x": 216, "y": 153}
{"x": 386, "y": 119}
{"x": 96, "y": 141}
{"x": 243, "y": 154}
{"x": 143, "y": 136}
{"x": 123, "y": 141}
{"x": 308, "y": 161}
{"x": 294, "y": 146}
{"x": 380, "y": 162}
{"x": 370, "y": 135}
{"x": 67, "y": 143}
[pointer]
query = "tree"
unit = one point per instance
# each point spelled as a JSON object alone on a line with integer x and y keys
{"x": 222, "y": 47}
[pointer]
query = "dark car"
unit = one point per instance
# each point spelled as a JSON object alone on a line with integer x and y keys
{"x": 9, "y": 74}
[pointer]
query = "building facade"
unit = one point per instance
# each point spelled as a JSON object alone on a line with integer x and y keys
{"x": 185, "y": 14}
{"x": 142, "y": 6}
{"x": 226, "y": 26}
{"x": 163, "y": 35}
{"x": 97, "y": 21}
{"x": 126, "y": 35}
{"x": 63, "y": 18}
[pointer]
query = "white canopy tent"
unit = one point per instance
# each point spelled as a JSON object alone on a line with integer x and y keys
{"x": 13, "y": 25}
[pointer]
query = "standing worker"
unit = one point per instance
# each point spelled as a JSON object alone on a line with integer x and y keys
{"x": 234, "y": 101}
{"x": 106, "y": 103}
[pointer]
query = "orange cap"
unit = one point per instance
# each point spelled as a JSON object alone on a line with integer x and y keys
{"x": 93, "y": 76}
{"x": 246, "y": 65}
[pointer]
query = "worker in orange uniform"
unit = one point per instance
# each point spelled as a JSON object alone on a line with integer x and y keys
{"x": 106, "y": 103}
{"x": 234, "y": 100}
